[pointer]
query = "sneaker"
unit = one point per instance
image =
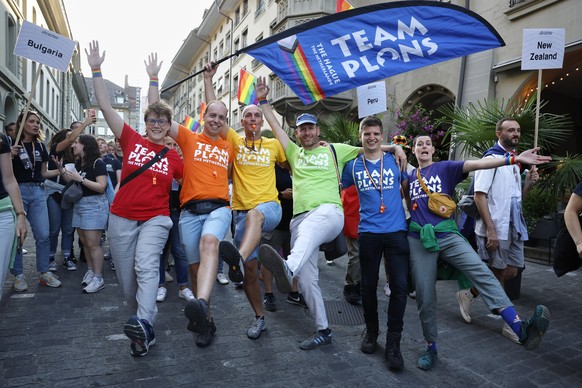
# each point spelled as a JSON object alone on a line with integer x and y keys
{"x": 169, "y": 278}
{"x": 535, "y": 327}
{"x": 231, "y": 256}
{"x": 352, "y": 293}
{"x": 221, "y": 278}
{"x": 24, "y": 251}
{"x": 69, "y": 265}
{"x": 161, "y": 295}
{"x": 387, "y": 289}
{"x": 238, "y": 285}
{"x": 257, "y": 328}
{"x": 393, "y": 355}
{"x": 204, "y": 339}
{"x": 20, "y": 283}
{"x": 269, "y": 301}
{"x": 321, "y": 337}
{"x": 274, "y": 263}
{"x": 369, "y": 343}
{"x": 329, "y": 262}
{"x": 48, "y": 279}
{"x": 186, "y": 294}
{"x": 87, "y": 278}
{"x": 142, "y": 336}
{"x": 297, "y": 300}
{"x": 427, "y": 359}
{"x": 112, "y": 264}
{"x": 52, "y": 265}
{"x": 509, "y": 333}
{"x": 412, "y": 294}
{"x": 96, "y": 284}
{"x": 197, "y": 313}
{"x": 465, "y": 299}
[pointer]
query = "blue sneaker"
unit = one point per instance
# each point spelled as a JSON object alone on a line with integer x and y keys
{"x": 142, "y": 336}
{"x": 321, "y": 337}
{"x": 427, "y": 359}
{"x": 535, "y": 327}
{"x": 271, "y": 259}
{"x": 232, "y": 257}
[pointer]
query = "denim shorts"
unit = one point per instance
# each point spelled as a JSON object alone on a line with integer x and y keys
{"x": 193, "y": 226}
{"x": 91, "y": 213}
{"x": 272, "y": 214}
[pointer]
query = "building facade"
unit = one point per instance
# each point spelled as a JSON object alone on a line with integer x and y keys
{"x": 58, "y": 97}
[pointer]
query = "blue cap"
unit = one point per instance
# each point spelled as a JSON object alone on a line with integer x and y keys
{"x": 305, "y": 118}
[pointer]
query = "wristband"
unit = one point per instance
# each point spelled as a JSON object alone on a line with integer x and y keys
{"x": 263, "y": 102}
{"x": 96, "y": 72}
{"x": 21, "y": 213}
{"x": 154, "y": 81}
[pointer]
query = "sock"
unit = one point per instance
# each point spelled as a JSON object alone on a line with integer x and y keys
{"x": 294, "y": 294}
{"x": 432, "y": 347}
{"x": 510, "y": 316}
{"x": 100, "y": 276}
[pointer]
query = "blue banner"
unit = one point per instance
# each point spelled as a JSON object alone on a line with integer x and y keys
{"x": 339, "y": 52}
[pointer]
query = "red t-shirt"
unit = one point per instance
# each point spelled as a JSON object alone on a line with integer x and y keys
{"x": 147, "y": 195}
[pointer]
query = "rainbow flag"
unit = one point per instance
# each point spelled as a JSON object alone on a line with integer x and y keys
{"x": 246, "y": 88}
{"x": 343, "y": 5}
{"x": 300, "y": 70}
{"x": 191, "y": 124}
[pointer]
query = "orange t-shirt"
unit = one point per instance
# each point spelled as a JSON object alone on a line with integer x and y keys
{"x": 206, "y": 164}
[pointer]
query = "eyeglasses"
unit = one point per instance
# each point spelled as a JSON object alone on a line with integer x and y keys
{"x": 160, "y": 122}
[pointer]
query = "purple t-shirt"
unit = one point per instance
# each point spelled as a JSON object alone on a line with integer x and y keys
{"x": 439, "y": 177}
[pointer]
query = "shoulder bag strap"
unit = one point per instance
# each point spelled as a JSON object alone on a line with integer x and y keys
{"x": 424, "y": 188}
{"x": 153, "y": 160}
{"x": 334, "y": 156}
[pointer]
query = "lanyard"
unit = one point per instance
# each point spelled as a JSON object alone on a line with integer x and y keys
{"x": 380, "y": 189}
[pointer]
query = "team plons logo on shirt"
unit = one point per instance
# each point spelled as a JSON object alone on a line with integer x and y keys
{"x": 141, "y": 155}
{"x": 317, "y": 161}
{"x": 365, "y": 183}
{"x": 211, "y": 154}
{"x": 259, "y": 157}
{"x": 434, "y": 184}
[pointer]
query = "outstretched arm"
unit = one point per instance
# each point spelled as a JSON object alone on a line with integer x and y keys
{"x": 262, "y": 92}
{"x": 153, "y": 69}
{"x": 526, "y": 157}
{"x": 210, "y": 94}
{"x": 95, "y": 60}
{"x": 71, "y": 136}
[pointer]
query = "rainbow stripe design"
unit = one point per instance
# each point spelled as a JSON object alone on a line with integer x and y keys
{"x": 305, "y": 80}
{"x": 191, "y": 124}
{"x": 246, "y": 88}
{"x": 343, "y": 5}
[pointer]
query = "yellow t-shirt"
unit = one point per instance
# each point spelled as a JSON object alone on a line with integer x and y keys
{"x": 253, "y": 175}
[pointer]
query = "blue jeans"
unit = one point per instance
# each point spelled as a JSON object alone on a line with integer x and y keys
{"x": 34, "y": 200}
{"x": 177, "y": 249}
{"x": 394, "y": 248}
{"x": 456, "y": 251}
{"x": 194, "y": 226}
{"x": 272, "y": 216}
{"x": 60, "y": 221}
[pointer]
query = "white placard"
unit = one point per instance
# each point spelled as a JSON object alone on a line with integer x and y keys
{"x": 371, "y": 99}
{"x": 44, "y": 46}
{"x": 543, "y": 48}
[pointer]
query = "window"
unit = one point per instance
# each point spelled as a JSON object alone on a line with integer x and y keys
{"x": 228, "y": 43}
{"x": 236, "y": 44}
{"x": 237, "y": 16}
{"x": 221, "y": 49}
{"x": 219, "y": 89}
{"x": 235, "y": 85}
{"x": 235, "y": 123}
{"x": 245, "y": 7}
{"x": 11, "y": 42}
{"x": 215, "y": 54}
{"x": 243, "y": 38}
{"x": 260, "y": 8}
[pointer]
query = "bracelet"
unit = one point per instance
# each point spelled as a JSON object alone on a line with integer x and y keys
{"x": 509, "y": 160}
{"x": 96, "y": 72}
{"x": 82, "y": 180}
{"x": 21, "y": 213}
{"x": 154, "y": 81}
{"x": 263, "y": 102}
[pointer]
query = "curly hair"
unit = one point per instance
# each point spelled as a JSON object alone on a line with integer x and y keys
{"x": 90, "y": 151}
{"x": 159, "y": 108}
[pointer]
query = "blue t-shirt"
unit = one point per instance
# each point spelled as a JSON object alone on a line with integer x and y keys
{"x": 578, "y": 189}
{"x": 393, "y": 219}
{"x": 439, "y": 177}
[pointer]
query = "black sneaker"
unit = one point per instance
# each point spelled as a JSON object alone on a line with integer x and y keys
{"x": 197, "y": 313}
{"x": 231, "y": 256}
{"x": 535, "y": 327}
{"x": 205, "y": 337}
{"x": 297, "y": 300}
{"x": 269, "y": 301}
{"x": 112, "y": 264}
{"x": 271, "y": 259}
{"x": 393, "y": 355}
{"x": 352, "y": 293}
{"x": 321, "y": 337}
{"x": 142, "y": 336}
{"x": 369, "y": 343}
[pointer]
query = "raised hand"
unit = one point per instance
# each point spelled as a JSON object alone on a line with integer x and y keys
{"x": 530, "y": 157}
{"x": 261, "y": 88}
{"x": 152, "y": 66}
{"x": 93, "y": 57}
{"x": 210, "y": 70}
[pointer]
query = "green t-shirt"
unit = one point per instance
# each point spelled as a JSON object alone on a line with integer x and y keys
{"x": 314, "y": 177}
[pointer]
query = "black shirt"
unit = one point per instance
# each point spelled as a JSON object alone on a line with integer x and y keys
{"x": 4, "y": 148}
{"x": 37, "y": 153}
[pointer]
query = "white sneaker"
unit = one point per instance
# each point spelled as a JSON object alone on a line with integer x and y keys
{"x": 465, "y": 299}
{"x": 95, "y": 285}
{"x": 221, "y": 278}
{"x": 48, "y": 279}
{"x": 24, "y": 251}
{"x": 169, "y": 278}
{"x": 161, "y": 296}
{"x": 87, "y": 278}
{"x": 509, "y": 333}
{"x": 387, "y": 289}
{"x": 186, "y": 294}
{"x": 20, "y": 283}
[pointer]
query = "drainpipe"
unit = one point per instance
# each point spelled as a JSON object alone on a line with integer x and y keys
{"x": 461, "y": 88}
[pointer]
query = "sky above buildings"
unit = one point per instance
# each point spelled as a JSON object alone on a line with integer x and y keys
{"x": 129, "y": 30}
